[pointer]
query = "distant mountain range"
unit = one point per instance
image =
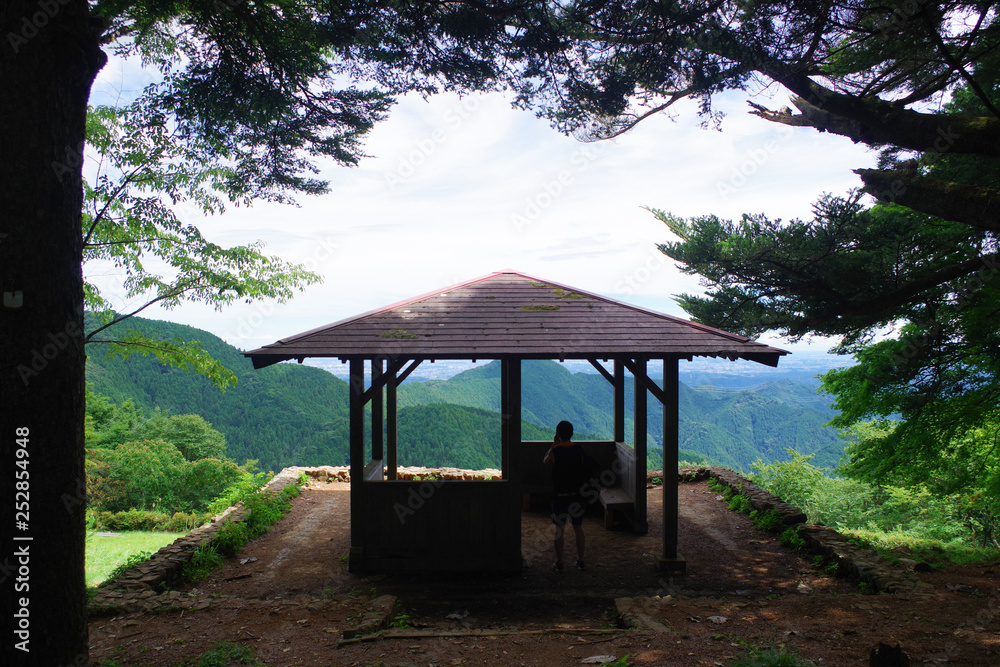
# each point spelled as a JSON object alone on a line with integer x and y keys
{"x": 291, "y": 414}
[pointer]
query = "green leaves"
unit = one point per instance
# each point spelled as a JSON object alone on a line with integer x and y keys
{"x": 147, "y": 181}
{"x": 191, "y": 434}
{"x": 848, "y": 271}
{"x": 171, "y": 463}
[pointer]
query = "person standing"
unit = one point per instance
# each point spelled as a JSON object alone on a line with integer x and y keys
{"x": 569, "y": 475}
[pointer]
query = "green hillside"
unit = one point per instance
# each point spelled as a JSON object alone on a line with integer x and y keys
{"x": 281, "y": 415}
{"x": 443, "y": 434}
{"x": 728, "y": 426}
{"x": 290, "y": 414}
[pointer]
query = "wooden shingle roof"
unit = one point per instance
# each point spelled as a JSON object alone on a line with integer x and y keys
{"x": 509, "y": 314}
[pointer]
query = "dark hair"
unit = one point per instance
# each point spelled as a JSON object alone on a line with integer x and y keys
{"x": 564, "y": 431}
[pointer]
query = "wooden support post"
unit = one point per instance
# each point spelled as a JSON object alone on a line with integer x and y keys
{"x": 505, "y": 451}
{"x": 356, "y": 430}
{"x": 639, "y": 522}
{"x": 391, "y": 430}
{"x": 510, "y": 409}
{"x": 670, "y": 560}
{"x": 619, "y": 401}
{"x": 378, "y": 412}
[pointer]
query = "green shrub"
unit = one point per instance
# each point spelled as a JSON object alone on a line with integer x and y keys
{"x": 716, "y": 486}
{"x": 827, "y": 566}
{"x": 885, "y": 516}
{"x": 262, "y": 509}
{"x": 231, "y": 537}
{"x": 203, "y": 562}
{"x": 133, "y": 519}
{"x": 740, "y": 503}
{"x": 768, "y": 521}
{"x": 790, "y": 538}
{"x": 243, "y": 488}
{"x": 183, "y": 523}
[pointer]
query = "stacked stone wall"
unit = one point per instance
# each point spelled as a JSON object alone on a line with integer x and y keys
{"x": 145, "y": 586}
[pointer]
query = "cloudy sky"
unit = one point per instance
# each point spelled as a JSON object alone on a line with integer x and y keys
{"x": 457, "y": 188}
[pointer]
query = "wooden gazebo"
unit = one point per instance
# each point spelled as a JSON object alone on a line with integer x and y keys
{"x": 475, "y": 525}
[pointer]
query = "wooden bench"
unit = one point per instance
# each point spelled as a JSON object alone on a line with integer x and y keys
{"x": 615, "y": 499}
{"x": 619, "y": 497}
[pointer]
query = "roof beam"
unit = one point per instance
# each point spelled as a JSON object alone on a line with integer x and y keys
{"x": 379, "y": 382}
{"x": 602, "y": 370}
{"x": 642, "y": 378}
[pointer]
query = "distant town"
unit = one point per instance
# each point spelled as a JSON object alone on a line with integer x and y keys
{"x": 739, "y": 374}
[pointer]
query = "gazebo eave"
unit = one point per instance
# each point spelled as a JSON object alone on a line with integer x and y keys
{"x": 264, "y": 359}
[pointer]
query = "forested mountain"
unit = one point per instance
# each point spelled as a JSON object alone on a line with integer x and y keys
{"x": 443, "y": 434}
{"x": 290, "y": 414}
{"x": 727, "y": 426}
{"x": 281, "y": 415}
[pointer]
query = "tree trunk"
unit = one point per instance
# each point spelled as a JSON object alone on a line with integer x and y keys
{"x": 49, "y": 55}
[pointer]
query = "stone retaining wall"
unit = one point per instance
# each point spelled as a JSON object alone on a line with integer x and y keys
{"x": 852, "y": 561}
{"x": 143, "y": 587}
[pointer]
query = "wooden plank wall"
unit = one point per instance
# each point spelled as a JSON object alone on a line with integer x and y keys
{"x": 441, "y": 525}
{"x": 536, "y": 477}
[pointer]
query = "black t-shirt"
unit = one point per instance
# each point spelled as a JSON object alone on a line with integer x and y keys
{"x": 569, "y": 470}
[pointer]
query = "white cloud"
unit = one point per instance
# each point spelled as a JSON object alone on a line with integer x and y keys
{"x": 460, "y": 187}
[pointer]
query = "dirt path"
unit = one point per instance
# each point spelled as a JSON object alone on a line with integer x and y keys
{"x": 293, "y": 602}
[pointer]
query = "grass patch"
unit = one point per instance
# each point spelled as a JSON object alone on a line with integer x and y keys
{"x": 790, "y": 538}
{"x": 890, "y": 543}
{"x": 104, "y": 554}
{"x": 771, "y": 657}
{"x": 203, "y": 562}
{"x": 226, "y": 654}
{"x": 401, "y": 621}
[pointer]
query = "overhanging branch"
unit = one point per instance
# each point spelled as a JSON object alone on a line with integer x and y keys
{"x": 875, "y": 122}
{"x": 972, "y": 205}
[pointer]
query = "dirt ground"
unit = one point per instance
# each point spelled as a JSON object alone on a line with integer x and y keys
{"x": 743, "y": 590}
